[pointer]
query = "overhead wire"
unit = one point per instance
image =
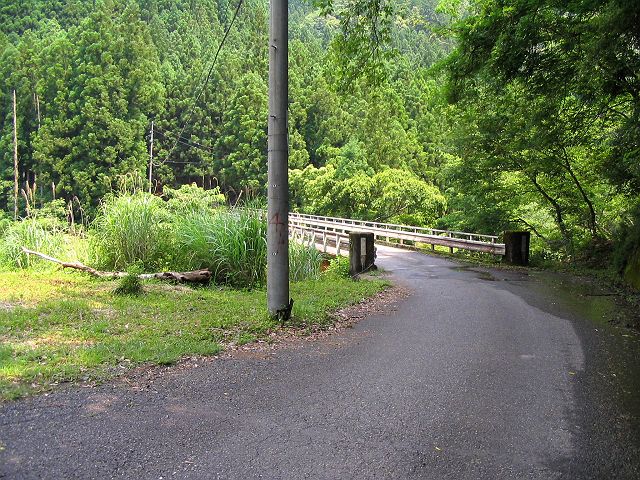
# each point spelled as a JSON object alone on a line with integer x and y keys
{"x": 187, "y": 162}
{"x": 208, "y": 77}
{"x": 184, "y": 140}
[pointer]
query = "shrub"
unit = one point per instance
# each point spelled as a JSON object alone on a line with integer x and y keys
{"x": 628, "y": 240}
{"x": 338, "y": 266}
{"x": 53, "y": 209}
{"x": 190, "y": 198}
{"x": 130, "y": 284}
{"x": 131, "y": 228}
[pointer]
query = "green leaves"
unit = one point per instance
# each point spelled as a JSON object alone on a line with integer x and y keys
{"x": 547, "y": 93}
{"x": 363, "y": 47}
{"x": 94, "y": 127}
{"x": 391, "y": 195}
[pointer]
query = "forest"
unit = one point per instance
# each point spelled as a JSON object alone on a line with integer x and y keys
{"x": 478, "y": 115}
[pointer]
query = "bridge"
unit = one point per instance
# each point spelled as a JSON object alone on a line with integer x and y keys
{"x": 332, "y": 232}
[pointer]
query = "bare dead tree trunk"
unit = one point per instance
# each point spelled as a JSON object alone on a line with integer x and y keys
{"x": 196, "y": 276}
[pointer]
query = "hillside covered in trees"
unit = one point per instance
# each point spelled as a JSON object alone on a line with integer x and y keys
{"x": 482, "y": 117}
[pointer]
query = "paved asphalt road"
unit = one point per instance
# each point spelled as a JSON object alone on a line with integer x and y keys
{"x": 479, "y": 374}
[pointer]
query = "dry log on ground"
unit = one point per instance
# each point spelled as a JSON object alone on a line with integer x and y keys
{"x": 196, "y": 276}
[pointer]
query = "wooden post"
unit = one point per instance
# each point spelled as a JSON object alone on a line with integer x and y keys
{"x": 15, "y": 159}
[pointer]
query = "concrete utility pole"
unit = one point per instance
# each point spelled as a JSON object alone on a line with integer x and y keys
{"x": 15, "y": 159}
{"x": 278, "y": 163}
{"x": 151, "y": 160}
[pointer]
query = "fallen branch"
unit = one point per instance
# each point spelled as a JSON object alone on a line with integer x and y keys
{"x": 196, "y": 276}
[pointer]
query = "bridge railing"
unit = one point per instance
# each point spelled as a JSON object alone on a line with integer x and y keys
{"x": 324, "y": 230}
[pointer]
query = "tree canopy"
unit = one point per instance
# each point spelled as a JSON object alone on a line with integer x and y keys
{"x": 481, "y": 115}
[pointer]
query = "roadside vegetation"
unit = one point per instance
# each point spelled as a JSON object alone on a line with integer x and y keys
{"x": 477, "y": 116}
{"x": 59, "y": 326}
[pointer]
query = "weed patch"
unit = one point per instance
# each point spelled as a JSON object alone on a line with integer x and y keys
{"x": 66, "y": 328}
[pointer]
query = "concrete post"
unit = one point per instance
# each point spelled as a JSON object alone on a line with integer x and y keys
{"x": 277, "y": 159}
{"x": 369, "y": 262}
{"x": 355, "y": 254}
{"x": 517, "y": 246}
{"x": 361, "y": 252}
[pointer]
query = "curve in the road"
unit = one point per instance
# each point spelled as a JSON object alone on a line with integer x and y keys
{"x": 468, "y": 378}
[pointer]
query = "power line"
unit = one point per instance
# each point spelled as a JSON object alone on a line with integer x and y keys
{"x": 185, "y": 140}
{"x": 188, "y": 162}
{"x": 215, "y": 58}
{"x": 193, "y": 143}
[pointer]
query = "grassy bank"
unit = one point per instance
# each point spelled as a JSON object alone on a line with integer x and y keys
{"x": 59, "y": 327}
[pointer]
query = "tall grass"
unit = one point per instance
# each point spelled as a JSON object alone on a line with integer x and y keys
{"x": 5, "y": 222}
{"x": 230, "y": 243}
{"x": 44, "y": 235}
{"x": 233, "y": 245}
{"x": 131, "y": 229}
{"x": 304, "y": 262}
{"x": 137, "y": 228}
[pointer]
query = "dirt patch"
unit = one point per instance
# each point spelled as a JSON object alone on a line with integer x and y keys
{"x": 168, "y": 288}
{"x": 46, "y": 340}
{"x": 342, "y": 319}
{"x": 7, "y": 307}
{"x": 106, "y": 312}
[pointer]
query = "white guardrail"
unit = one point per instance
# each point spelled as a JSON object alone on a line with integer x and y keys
{"x": 320, "y": 230}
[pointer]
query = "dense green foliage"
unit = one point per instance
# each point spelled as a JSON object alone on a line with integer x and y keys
{"x": 482, "y": 116}
{"x": 138, "y": 231}
{"x": 548, "y": 97}
{"x": 88, "y": 87}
